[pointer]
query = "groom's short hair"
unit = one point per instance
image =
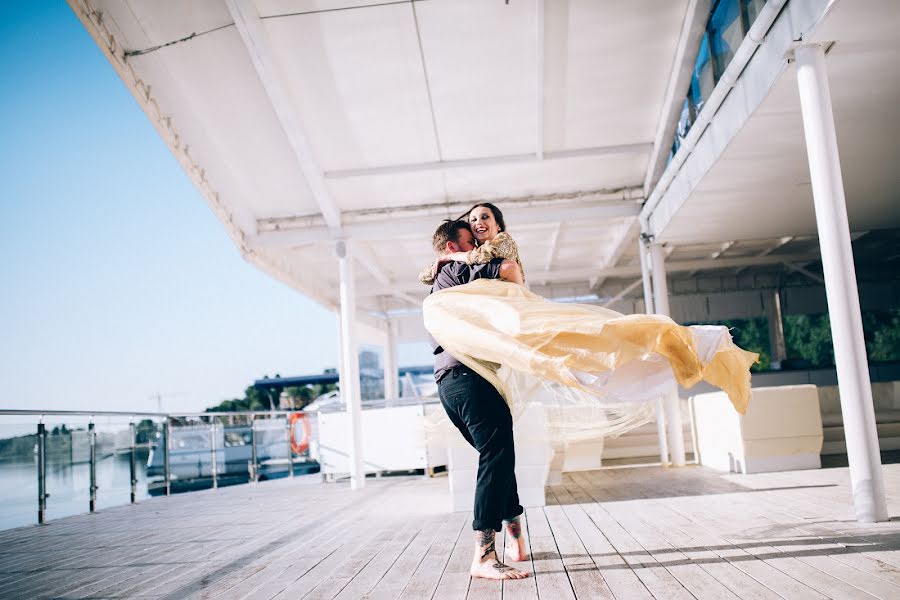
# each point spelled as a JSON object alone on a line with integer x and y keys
{"x": 448, "y": 231}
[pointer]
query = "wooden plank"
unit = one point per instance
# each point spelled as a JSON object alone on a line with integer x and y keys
{"x": 454, "y": 582}
{"x": 619, "y": 578}
{"x": 369, "y": 577}
{"x": 817, "y": 551}
{"x": 726, "y": 518}
{"x": 699, "y": 524}
{"x": 656, "y": 578}
{"x": 549, "y": 570}
{"x": 222, "y": 570}
{"x": 520, "y": 589}
{"x": 427, "y": 575}
{"x": 694, "y": 579}
{"x": 873, "y": 551}
{"x": 295, "y": 562}
{"x": 89, "y": 567}
{"x": 738, "y": 582}
{"x": 348, "y": 551}
{"x": 623, "y": 533}
{"x": 585, "y": 578}
{"x": 397, "y": 577}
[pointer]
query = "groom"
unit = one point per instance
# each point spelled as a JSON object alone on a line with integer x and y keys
{"x": 482, "y": 416}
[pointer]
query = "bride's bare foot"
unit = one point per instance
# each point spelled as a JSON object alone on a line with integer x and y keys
{"x": 515, "y": 541}
{"x": 486, "y": 564}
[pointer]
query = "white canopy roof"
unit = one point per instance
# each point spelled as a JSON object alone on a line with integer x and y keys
{"x": 303, "y": 122}
{"x": 307, "y": 121}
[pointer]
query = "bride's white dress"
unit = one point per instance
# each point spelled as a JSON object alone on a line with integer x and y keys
{"x": 597, "y": 370}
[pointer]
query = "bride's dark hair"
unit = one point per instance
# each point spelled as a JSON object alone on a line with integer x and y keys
{"x": 498, "y": 215}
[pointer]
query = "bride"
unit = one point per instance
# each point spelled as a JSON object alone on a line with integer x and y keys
{"x": 598, "y": 370}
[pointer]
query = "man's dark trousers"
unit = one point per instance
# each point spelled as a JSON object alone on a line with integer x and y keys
{"x": 483, "y": 417}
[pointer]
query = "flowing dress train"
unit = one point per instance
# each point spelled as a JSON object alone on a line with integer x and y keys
{"x": 597, "y": 371}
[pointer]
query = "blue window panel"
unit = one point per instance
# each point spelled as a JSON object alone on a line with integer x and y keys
{"x": 725, "y": 33}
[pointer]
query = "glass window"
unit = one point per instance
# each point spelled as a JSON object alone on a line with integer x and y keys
{"x": 684, "y": 123}
{"x": 752, "y": 8}
{"x": 725, "y": 33}
{"x": 702, "y": 83}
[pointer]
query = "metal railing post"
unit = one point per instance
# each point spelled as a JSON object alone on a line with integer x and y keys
{"x": 92, "y": 441}
{"x": 290, "y": 452}
{"x": 253, "y": 457}
{"x": 133, "y": 465}
{"x": 166, "y": 455}
{"x": 214, "y": 470}
{"x": 42, "y": 471}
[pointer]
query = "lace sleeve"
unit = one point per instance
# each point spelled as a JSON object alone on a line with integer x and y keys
{"x": 502, "y": 246}
{"x": 425, "y": 275}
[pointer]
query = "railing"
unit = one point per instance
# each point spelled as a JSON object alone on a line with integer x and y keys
{"x": 196, "y": 449}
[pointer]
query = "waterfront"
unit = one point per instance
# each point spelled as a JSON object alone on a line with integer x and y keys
{"x": 68, "y": 485}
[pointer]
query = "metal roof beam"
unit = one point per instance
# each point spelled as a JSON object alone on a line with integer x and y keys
{"x": 625, "y": 238}
{"x": 584, "y": 273}
{"x": 365, "y": 256}
{"x": 554, "y": 246}
{"x": 781, "y": 242}
{"x": 627, "y": 290}
{"x": 489, "y": 161}
{"x": 805, "y": 272}
{"x": 252, "y": 32}
{"x": 671, "y": 267}
{"x": 421, "y": 226}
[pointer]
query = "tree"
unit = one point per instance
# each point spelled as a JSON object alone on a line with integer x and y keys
{"x": 809, "y": 337}
{"x": 301, "y": 396}
{"x": 145, "y": 431}
{"x": 882, "y": 333}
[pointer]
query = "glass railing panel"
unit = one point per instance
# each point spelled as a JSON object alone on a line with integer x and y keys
{"x": 202, "y": 451}
{"x": 68, "y": 465}
{"x": 18, "y": 471}
{"x": 272, "y": 447}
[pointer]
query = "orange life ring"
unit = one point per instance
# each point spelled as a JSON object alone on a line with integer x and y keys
{"x": 303, "y": 445}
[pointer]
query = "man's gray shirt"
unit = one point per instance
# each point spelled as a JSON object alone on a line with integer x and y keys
{"x": 453, "y": 274}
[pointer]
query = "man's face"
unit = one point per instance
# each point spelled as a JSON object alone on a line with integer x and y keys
{"x": 464, "y": 243}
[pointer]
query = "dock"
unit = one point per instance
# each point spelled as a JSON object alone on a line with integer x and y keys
{"x": 627, "y": 533}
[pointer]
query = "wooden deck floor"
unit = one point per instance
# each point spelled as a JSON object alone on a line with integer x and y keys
{"x": 625, "y": 533}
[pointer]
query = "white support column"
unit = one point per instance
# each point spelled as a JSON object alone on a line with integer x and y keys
{"x": 660, "y": 410}
{"x": 670, "y": 401}
{"x": 660, "y": 287}
{"x": 643, "y": 253}
{"x": 672, "y": 407}
{"x": 391, "y": 379}
{"x": 645, "y": 276}
{"x": 840, "y": 285}
{"x": 349, "y": 371}
{"x": 777, "y": 345}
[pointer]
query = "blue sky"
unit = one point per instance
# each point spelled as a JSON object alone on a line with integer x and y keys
{"x": 118, "y": 282}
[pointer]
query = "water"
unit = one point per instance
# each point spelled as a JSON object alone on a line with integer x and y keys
{"x": 69, "y": 487}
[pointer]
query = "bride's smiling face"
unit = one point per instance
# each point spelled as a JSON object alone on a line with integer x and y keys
{"x": 484, "y": 225}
